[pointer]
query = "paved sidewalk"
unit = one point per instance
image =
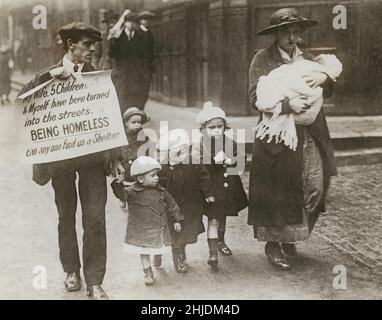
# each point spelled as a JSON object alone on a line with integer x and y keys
{"x": 182, "y": 117}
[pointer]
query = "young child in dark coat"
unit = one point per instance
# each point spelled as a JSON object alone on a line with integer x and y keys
{"x": 133, "y": 119}
{"x": 219, "y": 154}
{"x": 190, "y": 186}
{"x": 153, "y": 213}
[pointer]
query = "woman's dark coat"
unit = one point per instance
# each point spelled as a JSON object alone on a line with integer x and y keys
{"x": 276, "y": 188}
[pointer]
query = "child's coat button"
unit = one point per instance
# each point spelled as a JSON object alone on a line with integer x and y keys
{"x": 225, "y": 185}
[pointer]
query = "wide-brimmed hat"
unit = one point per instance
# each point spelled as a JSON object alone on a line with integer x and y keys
{"x": 135, "y": 111}
{"x": 142, "y": 165}
{"x": 286, "y": 17}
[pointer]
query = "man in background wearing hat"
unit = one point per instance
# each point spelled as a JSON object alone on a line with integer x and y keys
{"x": 5, "y": 74}
{"x": 102, "y": 59}
{"x": 145, "y": 19}
{"x": 133, "y": 55}
{"x": 78, "y": 41}
{"x": 287, "y": 188}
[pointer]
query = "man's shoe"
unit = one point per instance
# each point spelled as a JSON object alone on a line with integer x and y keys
{"x": 157, "y": 260}
{"x": 289, "y": 249}
{"x": 97, "y": 293}
{"x": 73, "y": 282}
{"x": 213, "y": 260}
{"x": 224, "y": 249}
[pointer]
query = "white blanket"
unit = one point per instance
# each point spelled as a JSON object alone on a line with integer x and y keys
{"x": 287, "y": 82}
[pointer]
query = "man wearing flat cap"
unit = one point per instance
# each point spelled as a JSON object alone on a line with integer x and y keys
{"x": 78, "y": 40}
{"x": 133, "y": 54}
{"x": 287, "y": 187}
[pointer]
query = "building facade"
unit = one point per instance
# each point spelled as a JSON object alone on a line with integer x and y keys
{"x": 204, "y": 47}
{"x": 204, "y": 50}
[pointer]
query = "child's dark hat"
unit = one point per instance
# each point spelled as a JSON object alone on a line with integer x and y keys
{"x": 135, "y": 111}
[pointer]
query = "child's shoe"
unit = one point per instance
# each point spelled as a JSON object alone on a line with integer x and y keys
{"x": 157, "y": 260}
{"x": 213, "y": 260}
{"x": 149, "y": 276}
{"x": 179, "y": 265}
{"x": 224, "y": 249}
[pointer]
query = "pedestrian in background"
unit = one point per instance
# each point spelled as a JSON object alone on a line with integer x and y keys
{"x": 102, "y": 60}
{"x": 5, "y": 74}
{"x": 145, "y": 20}
{"x": 287, "y": 187}
{"x": 132, "y": 56}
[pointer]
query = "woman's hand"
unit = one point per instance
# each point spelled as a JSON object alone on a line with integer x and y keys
{"x": 315, "y": 79}
{"x": 299, "y": 104}
{"x": 177, "y": 227}
{"x": 210, "y": 199}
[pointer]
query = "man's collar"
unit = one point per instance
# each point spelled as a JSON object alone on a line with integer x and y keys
{"x": 69, "y": 65}
{"x": 143, "y": 28}
{"x": 130, "y": 33}
{"x": 297, "y": 53}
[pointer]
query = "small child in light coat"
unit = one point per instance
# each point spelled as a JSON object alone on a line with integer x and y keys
{"x": 151, "y": 208}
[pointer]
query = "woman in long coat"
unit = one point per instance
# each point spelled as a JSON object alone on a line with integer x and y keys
{"x": 287, "y": 188}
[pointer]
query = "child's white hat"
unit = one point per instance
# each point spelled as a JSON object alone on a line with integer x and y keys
{"x": 209, "y": 112}
{"x": 142, "y": 165}
{"x": 173, "y": 139}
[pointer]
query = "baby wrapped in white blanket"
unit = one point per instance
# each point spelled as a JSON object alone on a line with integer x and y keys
{"x": 287, "y": 82}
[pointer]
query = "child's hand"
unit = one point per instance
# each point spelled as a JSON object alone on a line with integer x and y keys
{"x": 229, "y": 162}
{"x": 177, "y": 226}
{"x": 117, "y": 170}
{"x": 219, "y": 157}
{"x": 210, "y": 199}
